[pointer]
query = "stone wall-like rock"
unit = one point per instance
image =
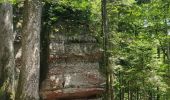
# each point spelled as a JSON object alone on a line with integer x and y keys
{"x": 73, "y": 68}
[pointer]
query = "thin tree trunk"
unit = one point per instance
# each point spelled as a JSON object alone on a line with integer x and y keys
{"x": 107, "y": 66}
{"x": 137, "y": 94}
{"x": 128, "y": 91}
{"x": 123, "y": 93}
{"x": 158, "y": 52}
{"x": 28, "y": 88}
{"x": 7, "y": 62}
{"x": 150, "y": 95}
{"x": 158, "y": 96}
{"x": 120, "y": 86}
{"x": 111, "y": 79}
{"x": 105, "y": 38}
{"x": 168, "y": 53}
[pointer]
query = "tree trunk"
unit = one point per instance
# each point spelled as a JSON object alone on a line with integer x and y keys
{"x": 108, "y": 72}
{"x": 137, "y": 94}
{"x": 150, "y": 95}
{"x": 7, "y": 62}
{"x": 106, "y": 47}
{"x": 158, "y": 95}
{"x": 131, "y": 95}
{"x": 128, "y": 91}
{"x": 44, "y": 46}
{"x": 44, "y": 55}
{"x": 28, "y": 87}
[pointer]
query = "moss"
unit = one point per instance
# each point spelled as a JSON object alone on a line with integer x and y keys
{"x": 2, "y": 89}
{"x": 4, "y": 93}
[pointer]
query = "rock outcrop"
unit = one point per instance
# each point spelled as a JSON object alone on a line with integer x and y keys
{"x": 73, "y": 71}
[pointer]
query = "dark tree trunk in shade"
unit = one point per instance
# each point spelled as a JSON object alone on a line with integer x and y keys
{"x": 44, "y": 45}
{"x": 28, "y": 86}
{"x": 137, "y": 94}
{"x": 158, "y": 95}
{"x": 7, "y": 63}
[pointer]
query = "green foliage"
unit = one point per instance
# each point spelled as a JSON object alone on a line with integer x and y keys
{"x": 9, "y": 1}
{"x": 138, "y": 40}
{"x": 138, "y": 34}
{"x": 70, "y": 15}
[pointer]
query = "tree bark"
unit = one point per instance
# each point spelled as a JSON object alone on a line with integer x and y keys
{"x": 105, "y": 39}
{"x": 44, "y": 45}
{"x": 7, "y": 62}
{"x": 106, "y": 54}
{"x": 28, "y": 86}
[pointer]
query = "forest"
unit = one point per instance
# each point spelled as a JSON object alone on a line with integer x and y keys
{"x": 85, "y": 50}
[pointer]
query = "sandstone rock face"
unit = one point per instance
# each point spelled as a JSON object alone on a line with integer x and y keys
{"x": 73, "y": 71}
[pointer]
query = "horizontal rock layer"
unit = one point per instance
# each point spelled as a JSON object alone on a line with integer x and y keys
{"x": 72, "y": 94}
